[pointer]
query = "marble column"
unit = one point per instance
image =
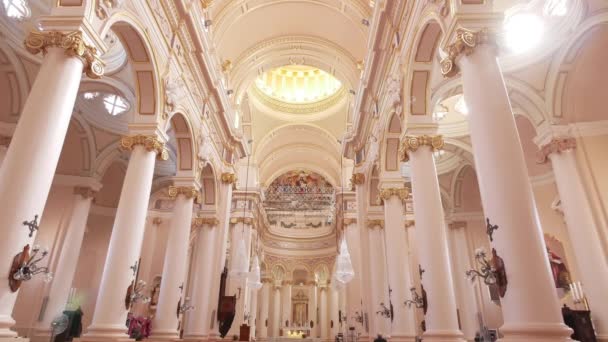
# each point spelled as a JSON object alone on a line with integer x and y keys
{"x": 125, "y": 242}
{"x": 276, "y": 312}
{"x": 226, "y": 186}
{"x": 264, "y": 306}
{"x": 353, "y": 288}
{"x": 378, "y": 275}
{"x": 465, "y": 292}
{"x": 530, "y": 306}
{"x": 361, "y": 190}
{"x": 198, "y": 320}
{"x": 399, "y": 277}
{"x": 165, "y": 322}
{"x": 324, "y": 319}
{"x": 29, "y": 165}
{"x": 441, "y": 319}
{"x": 334, "y": 311}
{"x": 68, "y": 260}
{"x": 241, "y": 230}
{"x": 582, "y": 228}
{"x": 286, "y": 304}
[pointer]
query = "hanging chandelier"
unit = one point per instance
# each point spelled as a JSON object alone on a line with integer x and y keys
{"x": 255, "y": 276}
{"x": 240, "y": 269}
{"x": 344, "y": 267}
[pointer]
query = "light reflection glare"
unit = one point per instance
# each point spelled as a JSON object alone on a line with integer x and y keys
{"x": 523, "y": 31}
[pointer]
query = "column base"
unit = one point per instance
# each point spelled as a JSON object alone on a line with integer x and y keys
{"x": 195, "y": 338}
{"x": 537, "y": 332}
{"x": 402, "y": 338}
{"x": 14, "y": 339}
{"x": 443, "y": 336}
{"x": 164, "y": 335}
{"x": 109, "y": 332}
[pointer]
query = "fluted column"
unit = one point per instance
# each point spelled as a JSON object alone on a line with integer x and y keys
{"x": 324, "y": 324}
{"x": 264, "y": 306}
{"x": 530, "y": 306}
{"x": 582, "y": 229}
{"x": 378, "y": 274}
{"x": 228, "y": 181}
{"x": 276, "y": 312}
{"x": 399, "y": 276}
{"x": 68, "y": 260}
{"x": 465, "y": 293}
{"x": 127, "y": 235}
{"x": 165, "y": 323}
{"x": 29, "y": 165}
{"x": 441, "y": 319}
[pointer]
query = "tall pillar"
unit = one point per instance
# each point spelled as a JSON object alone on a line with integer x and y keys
{"x": 165, "y": 323}
{"x": 361, "y": 190}
{"x": 378, "y": 275}
{"x": 127, "y": 235}
{"x": 29, "y": 166}
{"x": 263, "y": 305}
{"x": 530, "y": 306}
{"x": 228, "y": 181}
{"x": 68, "y": 260}
{"x": 403, "y": 327}
{"x": 197, "y": 326}
{"x": 324, "y": 324}
{"x": 465, "y": 293}
{"x": 286, "y": 304}
{"x": 353, "y": 288}
{"x": 441, "y": 320}
{"x": 276, "y": 312}
{"x": 334, "y": 311}
{"x": 582, "y": 229}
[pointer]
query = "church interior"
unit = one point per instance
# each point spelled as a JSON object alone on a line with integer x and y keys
{"x": 316, "y": 170}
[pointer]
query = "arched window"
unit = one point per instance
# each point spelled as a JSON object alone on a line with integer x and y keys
{"x": 17, "y": 9}
{"x": 114, "y": 104}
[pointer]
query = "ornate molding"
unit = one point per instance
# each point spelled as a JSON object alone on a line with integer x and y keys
{"x": 386, "y": 193}
{"x": 74, "y": 46}
{"x": 187, "y": 191}
{"x": 457, "y": 224}
{"x": 373, "y": 224}
{"x": 202, "y": 221}
{"x": 228, "y": 178}
{"x": 357, "y": 179}
{"x": 466, "y": 41}
{"x": 150, "y": 142}
{"x": 412, "y": 143}
{"x": 84, "y": 191}
{"x": 557, "y": 145}
{"x": 349, "y": 221}
{"x": 244, "y": 220}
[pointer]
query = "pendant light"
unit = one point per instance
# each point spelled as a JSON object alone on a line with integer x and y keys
{"x": 254, "y": 276}
{"x": 240, "y": 265}
{"x": 344, "y": 267}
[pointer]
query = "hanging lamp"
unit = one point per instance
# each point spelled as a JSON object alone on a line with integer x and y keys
{"x": 255, "y": 277}
{"x": 344, "y": 267}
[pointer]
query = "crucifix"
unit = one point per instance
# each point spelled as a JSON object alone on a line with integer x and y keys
{"x": 490, "y": 228}
{"x": 32, "y": 225}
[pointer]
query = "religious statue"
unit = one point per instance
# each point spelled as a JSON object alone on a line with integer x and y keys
{"x": 561, "y": 275}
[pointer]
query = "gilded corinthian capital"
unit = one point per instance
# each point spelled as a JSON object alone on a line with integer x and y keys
{"x": 357, "y": 179}
{"x": 412, "y": 143}
{"x": 84, "y": 191}
{"x": 72, "y": 43}
{"x": 373, "y": 224}
{"x": 150, "y": 142}
{"x": 205, "y": 221}
{"x": 466, "y": 41}
{"x": 387, "y": 193}
{"x": 187, "y": 191}
{"x": 555, "y": 146}
{"x": 228, "y": 178}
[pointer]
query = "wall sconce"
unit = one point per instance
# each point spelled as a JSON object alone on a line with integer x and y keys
{"x": 25, "y": 266}
{"x": 484, "y": 269}
{"x": 185, "y": 307}
{"x": 416, "y": 300}
{"x": 138, "y": 293}
{"x": 385, "y": 312}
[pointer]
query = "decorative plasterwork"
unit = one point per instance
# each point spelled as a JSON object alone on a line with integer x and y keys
{"x": 150, "y": 143}
{"x": 375, "y": 224}
{"x": 412, "y": 143}
{"x": 298, "y": 108}
{"x": 205, "y": 221}
{"x": 386, "y": 193}
{"x": 555, "y": 146}
{"x": 466, "y": 41}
